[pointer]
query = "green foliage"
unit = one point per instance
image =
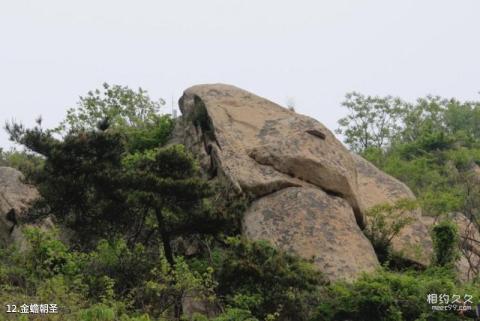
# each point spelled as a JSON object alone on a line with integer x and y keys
{"x": 233, "y": 314}
{"x": 94, "y": 186}
{"x": 150, "y": 135}
{"x": 112, "y": 282}
{"x": 391, "y": 296}
{"x": 435, "y": 144}
{"x": 162, "y": 293}
{"x": 49, "y": 256}
{"x": 434, "y": 149}
{"x": 445, "y": 243}
{"x": 115, "y": 269}
{"x": 122, "y": 106}
{"x": 167, "y": 182}
{"x": 256, "y": 277}
{"x": 229, "y": 205}
{"x": 45, "y": 271}
{"x": 126, "y": 199}
{"x": 385, "y": 221}
{"x": 27, "y": 163}
{"x": 124, "y": 110}
{"x": 432, "y": 177}
{"x": 98, "y": 312}
{"x": 371, "y": 121}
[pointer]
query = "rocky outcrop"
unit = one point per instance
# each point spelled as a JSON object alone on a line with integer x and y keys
{"x": 15, "y": 198}
{"x": 262, "y": 147}
{"x": 302, "y": 179}
{"x": 375, "y": 188}
{"x": 310, "y": 194}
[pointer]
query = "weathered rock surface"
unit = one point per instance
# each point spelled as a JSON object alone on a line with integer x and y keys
{"x": 315, "y": 225}
{"x": 262, "y": 147}
{"x": 469, "y": 234}
{"x": 302, "y": 178}
{"x": 15, "y": 198}
{"x": 376, "y": 187}
{"x": 475, "y": 172}
{"x": 468, "y": 266}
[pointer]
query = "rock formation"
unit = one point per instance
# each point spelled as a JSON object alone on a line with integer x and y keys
{"x": 15, "y": 198}
{"x": 309, "y": 194}
{"x": 302, "y": 179}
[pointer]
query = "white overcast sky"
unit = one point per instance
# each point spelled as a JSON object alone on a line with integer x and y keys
{"x": 52, "y": 51}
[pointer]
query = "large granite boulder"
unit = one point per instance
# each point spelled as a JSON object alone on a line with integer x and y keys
{"x": 315, "y": 225}
{"x": 302, "y": 179}
{"x": 375, "y": 188}
{"x": 262, "y": 147}
{"x": 15, "y": 199}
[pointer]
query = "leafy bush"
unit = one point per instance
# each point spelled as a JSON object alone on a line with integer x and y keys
{"x": 445, "y": 243}
{"x": 385, "y": 221}
{"x": 254, "y": 276}
{"x": 122, "y": 106}
{"x": 48, "y": 255}
{"x": 27, "y": 163}
{"x": 389, "y": 296}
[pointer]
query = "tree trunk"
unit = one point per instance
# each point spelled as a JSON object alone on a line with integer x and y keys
{"x": 165, "y": 238}
{"x": 167, "y": 248}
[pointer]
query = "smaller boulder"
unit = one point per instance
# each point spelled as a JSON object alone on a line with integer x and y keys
{"x": 15, "y": 199}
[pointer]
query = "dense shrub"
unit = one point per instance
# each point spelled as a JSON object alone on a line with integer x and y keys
{"x": 390, "y": 296}
{"x": 385, "y": 221}
{"x": 27, "y": 163}
{"x": 445, "y": 243}
{"x": 271, "y": 284}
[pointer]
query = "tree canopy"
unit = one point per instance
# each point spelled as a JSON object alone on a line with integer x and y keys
{"x": 432, "y": 146}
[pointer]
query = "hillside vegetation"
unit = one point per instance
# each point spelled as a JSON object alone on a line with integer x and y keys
{"x": 142, "y": 235}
